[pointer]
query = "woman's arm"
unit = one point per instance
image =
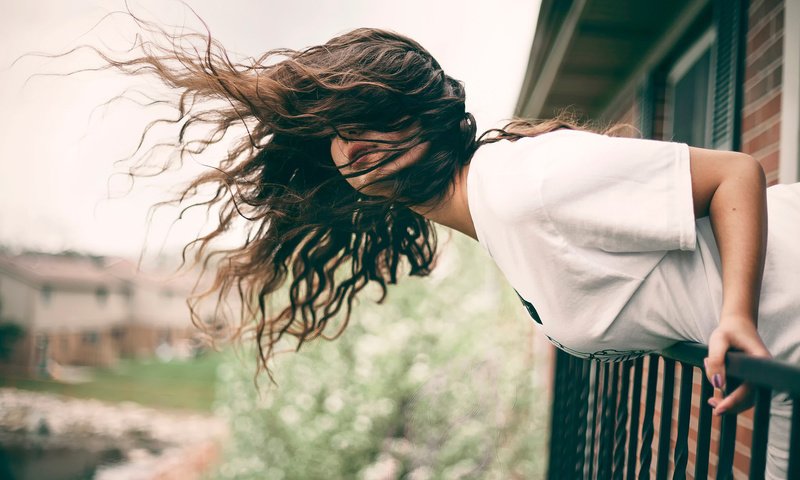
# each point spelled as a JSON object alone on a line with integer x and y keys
{"x": 731, "y": 187}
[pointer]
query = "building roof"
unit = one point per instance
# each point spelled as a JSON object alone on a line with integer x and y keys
{"x": 77, "y": 271}
{"x": 585, "y": 51}
{"x": 67, "y": 270}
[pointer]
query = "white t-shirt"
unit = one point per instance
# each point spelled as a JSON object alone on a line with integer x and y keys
{"x": 598, "y": 237}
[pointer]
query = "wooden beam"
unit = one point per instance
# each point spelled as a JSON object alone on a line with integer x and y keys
{"x": 535, "y": 93}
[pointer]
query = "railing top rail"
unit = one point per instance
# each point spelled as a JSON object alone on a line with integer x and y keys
{"x": 775, "y": 374}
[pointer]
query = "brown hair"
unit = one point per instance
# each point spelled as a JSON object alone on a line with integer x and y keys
{"x": 305, "y": 224}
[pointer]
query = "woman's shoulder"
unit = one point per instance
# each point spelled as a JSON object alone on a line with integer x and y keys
{"x": 541, "y": 148}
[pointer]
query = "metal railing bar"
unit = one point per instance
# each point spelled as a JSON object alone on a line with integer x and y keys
{"x": 758, "y": 449}
{"x": 556, "y": 431}
{"x": 703, "y": 432}
{"x": 681, "y": 457}
{"x": 764, "y": 372}
{"x": 609, "y": 419}
{"x": 569, "y": 420}
{"x": 621, "y": 430}
{"x": 603, "y": 470}
{"x": 648, "y": 428}
{"x": 665, "y": 425}
{"x": 636, "y": 400}
{"x": 727, "y": 445}
{"x": 583, "y": 405}
{"x": 595, "y": 401}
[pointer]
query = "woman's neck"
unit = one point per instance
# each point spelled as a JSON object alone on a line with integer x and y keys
{"x": 453, "y": 211}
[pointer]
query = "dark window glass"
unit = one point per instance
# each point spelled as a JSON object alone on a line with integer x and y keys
{"x": 690, "y": 99}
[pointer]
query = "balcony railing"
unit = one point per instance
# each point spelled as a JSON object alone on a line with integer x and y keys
{"x": 606, "y": 417}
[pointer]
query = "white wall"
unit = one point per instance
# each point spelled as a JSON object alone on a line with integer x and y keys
{"x": 17, "y": 299}
{"x": 80, "y": 310}
{"x": 152, "y": 307}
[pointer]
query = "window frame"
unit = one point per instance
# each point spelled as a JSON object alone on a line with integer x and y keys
{"x": 705, "y": 42}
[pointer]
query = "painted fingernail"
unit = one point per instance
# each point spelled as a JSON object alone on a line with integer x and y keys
{"x": 716, "y": 380}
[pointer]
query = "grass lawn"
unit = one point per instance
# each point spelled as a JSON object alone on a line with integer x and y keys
{"x": 178, "y": 384}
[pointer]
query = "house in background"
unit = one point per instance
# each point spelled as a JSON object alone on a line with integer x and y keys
{"x": 722, "y": 74}
{"x": 157, "y": 311}
{"x": 85, "y": 310}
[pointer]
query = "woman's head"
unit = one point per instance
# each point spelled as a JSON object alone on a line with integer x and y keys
{"x": 380, "y": 94}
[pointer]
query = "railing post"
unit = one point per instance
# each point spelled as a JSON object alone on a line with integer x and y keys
{"x": 596, "y": 377}
{"x": 703, "y": 431}
{"x": 681, "y": 457}
{"x": 621, "y": 428}
{"x": 758, "y": 450}
{"x": 583, "y": 405}
{"x": 636, "y": 401}
{"x": 606, "y": 425}
{"x": 727, "y": 441}
{"x": 646, "y": 454}
{"x": 559, "y": 384}
{"x": 665, "y": 426}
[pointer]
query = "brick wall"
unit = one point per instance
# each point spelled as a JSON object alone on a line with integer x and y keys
{"x": 762, "y": 86}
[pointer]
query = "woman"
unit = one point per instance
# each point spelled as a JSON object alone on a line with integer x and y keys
{"x": 354, "y": 148}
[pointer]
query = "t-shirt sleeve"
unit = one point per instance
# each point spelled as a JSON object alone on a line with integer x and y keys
{"x": 620, "y": 194}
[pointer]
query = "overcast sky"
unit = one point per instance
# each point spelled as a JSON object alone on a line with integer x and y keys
{"x": 58, "y": 158}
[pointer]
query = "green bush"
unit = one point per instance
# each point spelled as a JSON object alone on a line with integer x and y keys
{"x": 436, "y": 383}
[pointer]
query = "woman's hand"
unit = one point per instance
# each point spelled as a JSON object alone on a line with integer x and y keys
{"x": 734, "y": 331}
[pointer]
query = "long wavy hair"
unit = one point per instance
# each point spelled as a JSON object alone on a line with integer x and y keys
{"x": 307, "y": 228}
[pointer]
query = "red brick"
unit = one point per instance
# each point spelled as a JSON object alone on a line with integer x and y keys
{"x": 764, "y": 86}
{"x": 760, "y": 12}
{"x": 768, "y": 138}
{"x": 764, "y": 113}
{"x": 770, "y": 161}
{"x": 758, "y": 37}
{"x": 772, "y": 53}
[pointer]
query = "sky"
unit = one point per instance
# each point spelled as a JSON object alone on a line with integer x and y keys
{"x": 60, "y": 187}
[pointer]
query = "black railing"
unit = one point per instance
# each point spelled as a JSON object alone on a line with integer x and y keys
{"x": 604, "y": 417}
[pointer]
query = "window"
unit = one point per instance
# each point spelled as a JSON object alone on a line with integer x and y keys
{"x": 90, "y": 338}
{"x": 690, "y": 94}
{"x": 47, "y": 293}
{"x": 127, "y": 292}
{"x": 117, "y": 333}
{"x": 102, "y": 295}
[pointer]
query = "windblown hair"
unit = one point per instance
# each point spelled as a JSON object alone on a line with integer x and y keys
{"x": 305, "y": 224}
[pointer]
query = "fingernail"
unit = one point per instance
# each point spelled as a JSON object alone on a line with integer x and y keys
{"x": 705, "y": 363}
{"x": 716, "y": 380}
